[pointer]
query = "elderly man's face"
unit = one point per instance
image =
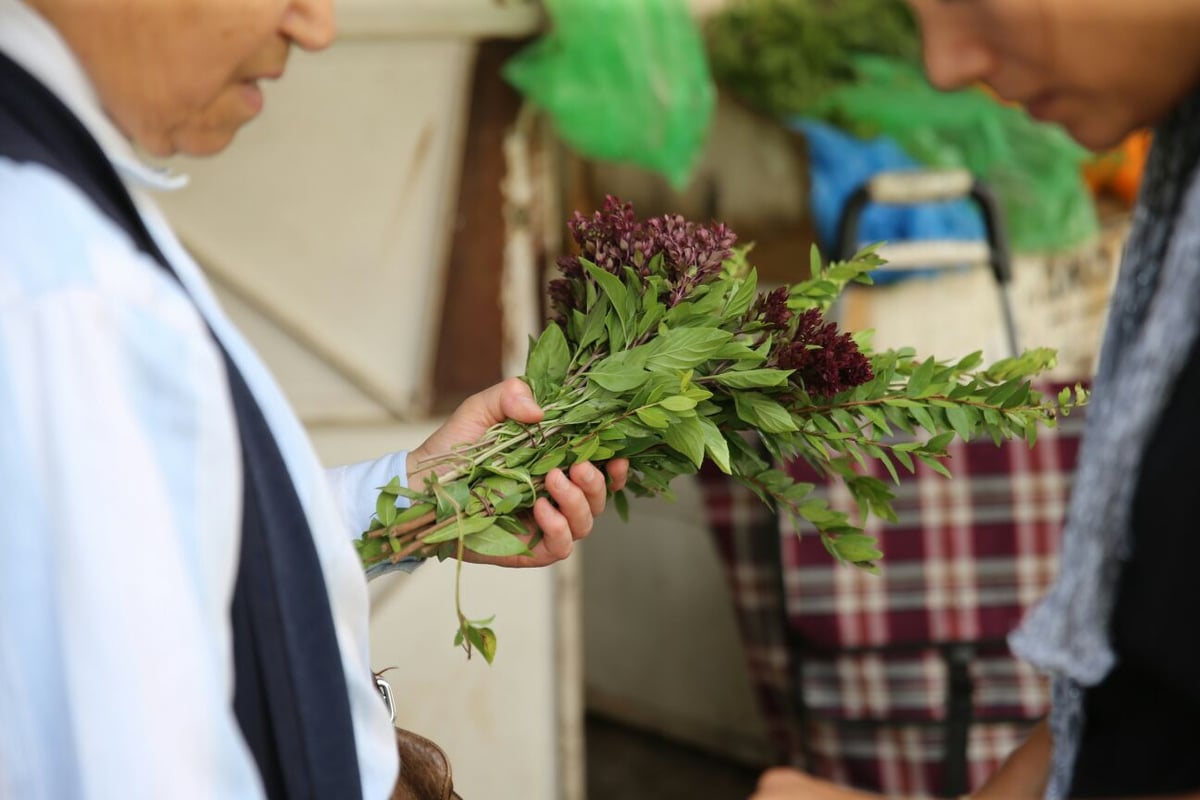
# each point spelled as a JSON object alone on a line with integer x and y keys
{"x": 182, "y": 76}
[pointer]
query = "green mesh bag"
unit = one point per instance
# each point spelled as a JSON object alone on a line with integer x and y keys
{"x": 1035, "y": 169}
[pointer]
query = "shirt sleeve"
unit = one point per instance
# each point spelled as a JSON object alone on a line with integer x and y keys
{"x": 119, "y": 524}
{"x": 356, "y": 488}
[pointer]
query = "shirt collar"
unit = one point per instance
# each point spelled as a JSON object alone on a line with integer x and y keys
{"x": 28, "y": 39}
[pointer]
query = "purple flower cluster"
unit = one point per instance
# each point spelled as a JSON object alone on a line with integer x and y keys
{"x": 825, "y": 362}
{"x": 772, "y": 309}
{"x": 614, "y": 238}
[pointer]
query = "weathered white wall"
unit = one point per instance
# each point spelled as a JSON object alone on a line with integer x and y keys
{"x": 661, "y": 646}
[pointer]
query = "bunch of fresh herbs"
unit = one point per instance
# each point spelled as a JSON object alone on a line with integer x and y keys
{"x": 665, "y": 352}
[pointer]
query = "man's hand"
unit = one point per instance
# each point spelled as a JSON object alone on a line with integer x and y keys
{"x": 781, "y": 783}
{"x": 578, "y": 495}
{"x": 1021, "y": 777}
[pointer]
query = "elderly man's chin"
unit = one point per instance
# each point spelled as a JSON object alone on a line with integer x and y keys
{"x": 208, "y": 132}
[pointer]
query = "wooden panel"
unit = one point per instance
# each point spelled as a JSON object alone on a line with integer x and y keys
{"x": 471, "y": 335}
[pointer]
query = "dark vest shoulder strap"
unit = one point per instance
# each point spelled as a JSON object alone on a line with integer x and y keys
{"x": 291, "y": 698}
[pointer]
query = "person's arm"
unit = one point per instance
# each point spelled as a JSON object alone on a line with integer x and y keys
{"x": 356, "y": 489}
{"x": 1024, "y": 773}
{"x": 119, "y": 523}
{"x": 119, "y": 508}
{"x": 576, "y": 496}
{"x": 1022, "y": 776}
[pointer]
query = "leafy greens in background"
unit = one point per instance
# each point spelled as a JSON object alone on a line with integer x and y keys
{"x": 784, "y": 56}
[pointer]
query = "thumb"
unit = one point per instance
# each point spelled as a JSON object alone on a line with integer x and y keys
{"x": 511, "y": 399}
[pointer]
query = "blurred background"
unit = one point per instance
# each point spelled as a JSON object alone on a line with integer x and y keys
{"x": 384, "y": 233}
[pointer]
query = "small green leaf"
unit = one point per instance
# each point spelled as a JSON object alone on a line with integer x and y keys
{"x": 743, "y": 295}
{"x": 487, "y": 644}
{"x": 452, "y": 498}
{"x": 585, "y": 450}
{"x": 753, "y": 378}
{"x": 937, "y": 444}
{"x": 856, "y": 547}
{"x": 685, "y": 348}
{"x": 385, "y": 509}
{"x": 763, "y": 413}
{"x": 687, "y": 437}
{"x": 495, "y": 541}
{"x": 934, "y": 464}
{"x": 519, "y": 457}
{"x": 617, "y": 294}
{"x": 923, "y": 418}
{"x": 515, "y": 474}
{"x": 593, "y": 325}
{"x": 370, "y": 551}
{"x": 736, "y": 351}
{"x": 547, "y": 462}
{"x": 969, "y": 362}
{"x": 654, "y": 417}
{"x": 549, "y": 358}
{"x": 715, "y": 444}
{"x": 919, "y": 381}
{"x": 678, "y": 402}
{"x": 467, "y": 526}
{"x": 876, "y": 418}
{"x": 652, "y": 313}
{"x": 621, "y": 503}
{"x": 584, "y": 412}
{"x": 621, "y": 372}
{"x": 958, "y": 419}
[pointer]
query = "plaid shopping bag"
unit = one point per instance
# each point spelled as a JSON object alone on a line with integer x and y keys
{"x": 902, "y": 682}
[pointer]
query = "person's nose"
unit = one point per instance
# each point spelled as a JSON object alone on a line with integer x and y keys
{"x": 310, "y": 23}
{"x": 955, "y": 56}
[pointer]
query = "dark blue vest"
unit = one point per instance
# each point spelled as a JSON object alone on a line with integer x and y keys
{"x": 290, "y": 696}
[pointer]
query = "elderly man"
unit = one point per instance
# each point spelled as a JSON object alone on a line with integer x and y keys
{"x": 181, "y": 611}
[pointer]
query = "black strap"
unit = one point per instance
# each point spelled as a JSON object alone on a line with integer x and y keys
{"x": 959, "y": 714}
{"x": 291, "y": 699}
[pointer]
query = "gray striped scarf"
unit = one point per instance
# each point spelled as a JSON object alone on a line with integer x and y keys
{"x": 1153, "y": 322}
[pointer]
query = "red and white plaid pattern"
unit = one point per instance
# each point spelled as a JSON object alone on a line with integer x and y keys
{"x": 904, "y": 760}
{"x": 965, "y": 561}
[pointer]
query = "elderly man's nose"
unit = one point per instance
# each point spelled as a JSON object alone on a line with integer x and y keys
{"x": 310, "y": 23}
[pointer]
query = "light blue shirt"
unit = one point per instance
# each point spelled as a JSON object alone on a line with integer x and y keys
{"x": 120, "y": 496}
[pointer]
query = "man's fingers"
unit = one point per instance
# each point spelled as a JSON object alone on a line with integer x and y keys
{"x": 572, "y": 503}
{"x": 618, "y": 473}
{"x": 556, "y": 531}
{"x": 591, "y": 481}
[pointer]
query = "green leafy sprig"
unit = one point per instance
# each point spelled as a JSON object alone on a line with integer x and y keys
{"x": 668, "y": 355}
